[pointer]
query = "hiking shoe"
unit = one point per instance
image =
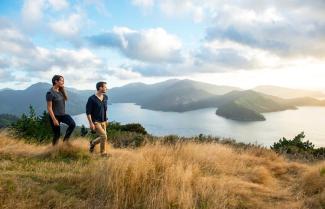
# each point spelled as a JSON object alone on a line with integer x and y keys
{"x": 91, "y": 146}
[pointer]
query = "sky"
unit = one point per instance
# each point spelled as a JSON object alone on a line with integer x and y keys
{"x": 224, "y": 42}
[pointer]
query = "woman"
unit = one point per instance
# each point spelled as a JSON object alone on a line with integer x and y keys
{"x": 56, "y": 98}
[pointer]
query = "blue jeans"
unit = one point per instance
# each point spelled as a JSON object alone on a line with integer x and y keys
{"x": 67, "y": 119}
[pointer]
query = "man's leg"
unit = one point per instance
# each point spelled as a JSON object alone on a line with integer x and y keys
{"x": 103, "y": 138}
{"x": 101, "y": 131}
{"x": 67, "y": 119}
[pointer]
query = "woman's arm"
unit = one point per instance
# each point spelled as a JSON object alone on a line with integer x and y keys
{"x": 50, "y": 110}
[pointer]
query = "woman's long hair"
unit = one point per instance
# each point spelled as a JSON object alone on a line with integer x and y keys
{"x": 61, "y": 89}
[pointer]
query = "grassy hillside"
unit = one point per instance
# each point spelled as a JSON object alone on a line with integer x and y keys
{"x": 184, "y": 175}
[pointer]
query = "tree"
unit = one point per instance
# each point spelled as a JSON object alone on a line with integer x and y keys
{"x": 32, "y": 127}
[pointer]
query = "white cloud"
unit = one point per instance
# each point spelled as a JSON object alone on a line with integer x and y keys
{"x": 99, "y": 6}
{"x": 123, "y": 73}
{"x": 59, "y": 4}
{"x": 151, "y": 45}
{"x": 14, "y": 42}
{"x": 32, "y": 11}
{"x": 172, "y": 8}
{"x": 69, "y": 26}
{"x": 287, "y": 28}
{"x": 19, "y": 54}
{"x": 143, "y": 3}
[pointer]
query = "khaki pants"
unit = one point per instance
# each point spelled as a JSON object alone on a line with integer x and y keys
{"x": 101, "y": 131}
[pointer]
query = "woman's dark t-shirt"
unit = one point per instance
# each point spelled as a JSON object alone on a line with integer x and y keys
{"x": 58, "y": 102}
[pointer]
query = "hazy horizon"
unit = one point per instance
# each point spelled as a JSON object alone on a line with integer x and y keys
{"x": 245, "y": 44}
{"x": 149, "y": 83}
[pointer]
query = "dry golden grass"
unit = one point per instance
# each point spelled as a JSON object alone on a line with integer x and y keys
{"x": 185, "y": 175}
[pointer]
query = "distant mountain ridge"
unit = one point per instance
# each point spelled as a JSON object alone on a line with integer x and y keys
{"x": 171, "y": 95}
{"x": 288, "y": 93}
{"x": 16, "y": 102}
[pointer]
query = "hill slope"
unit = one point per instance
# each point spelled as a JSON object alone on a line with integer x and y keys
{"x": 187, "y": 175}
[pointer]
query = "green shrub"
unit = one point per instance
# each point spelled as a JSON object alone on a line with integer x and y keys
{"x": 171, "y": 139}
{"x": 298, "y": 147}
{"x": 32, "y": 127}
{"x": 123, "y": 139}
{"x": 131, "y": 127}
{"x": 83, "y": 131}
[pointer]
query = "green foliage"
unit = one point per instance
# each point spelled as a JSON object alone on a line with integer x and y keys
{"x": 83, "y": 131}
{"x": 32, "y": 127}
{"x": 7, "y": 120}
{"x": 171, "y": 139}
{"x": 134, "y": 127}
{"x": 298, "y": 147}
{"x": 121, "y": 136}
{"x": 122, "y": 139}
{"x": 240, "y": 112}
{"x": 131, "y": 127}
{"x": 128, "y": 135}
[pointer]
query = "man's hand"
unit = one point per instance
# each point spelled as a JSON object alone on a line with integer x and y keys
{"x": 92, "y": 126}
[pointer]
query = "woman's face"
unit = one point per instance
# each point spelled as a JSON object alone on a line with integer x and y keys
{"x": 60, "y": 82}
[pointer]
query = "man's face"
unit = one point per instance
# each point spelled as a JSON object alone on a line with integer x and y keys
{"x": 103, "y": 89}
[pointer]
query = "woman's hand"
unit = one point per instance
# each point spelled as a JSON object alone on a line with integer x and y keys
{"x": 56, "y": 122}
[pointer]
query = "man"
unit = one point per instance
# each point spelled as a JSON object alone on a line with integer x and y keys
{"x": 96, "y": 113}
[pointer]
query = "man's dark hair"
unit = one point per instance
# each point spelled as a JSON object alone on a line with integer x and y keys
{"x": 100, "y": 84}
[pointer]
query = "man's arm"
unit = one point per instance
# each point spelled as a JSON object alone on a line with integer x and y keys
{"x": 91, "y": 124}
{"x": 89, "y": 107}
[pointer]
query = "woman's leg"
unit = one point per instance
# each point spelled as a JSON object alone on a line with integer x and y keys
{"x": 67, "y": 119}
{"x": 56, "y": 132}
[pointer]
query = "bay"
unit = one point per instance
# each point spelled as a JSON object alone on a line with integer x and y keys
{"x": 287, "y": 123}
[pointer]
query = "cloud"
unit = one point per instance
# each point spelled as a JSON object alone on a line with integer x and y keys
{"x": 19, "y": 54}
{"x": 59, "y": 4}
{"x": 153, "y": 70}
{"x": 123, "y": 73}
{"x": 4, "y": 63}
{"x": 143, "y": 3}
{"x": 32, "y": 11}
{"x": 68, "y": 27}
{"x": 286, "y": 28}
{"x": 6, "y": 75}
{"x": 47, "y": 16}
{"x": 171, "y": 8}
{"x": 226, "y": 58}
{"x": 13, "y": 41}
{"x": 150, "y": 45}
{"x": 270, "y": 31}
{"x": 99, "y": 6}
